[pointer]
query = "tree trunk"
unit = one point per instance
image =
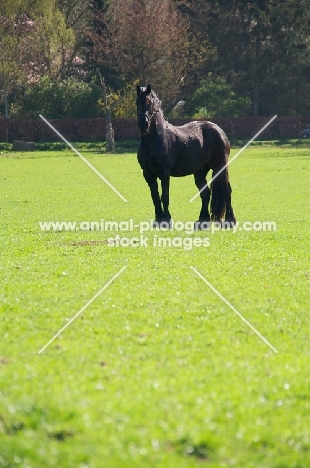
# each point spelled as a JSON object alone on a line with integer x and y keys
{"x": 143, "y": 71}
{"x": 5, "y": 95}
{"x": 109, "y": 139}
{"x": 256, "y": 101}
{"x": 256, "y": 79}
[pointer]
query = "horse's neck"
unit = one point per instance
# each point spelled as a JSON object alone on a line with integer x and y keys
{"x": 159, "y": 124}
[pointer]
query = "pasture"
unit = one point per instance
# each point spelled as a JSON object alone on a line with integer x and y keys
{"x": 157, "y": 371}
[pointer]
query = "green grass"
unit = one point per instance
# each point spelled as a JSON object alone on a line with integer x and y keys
{"x": 158, "y": 371}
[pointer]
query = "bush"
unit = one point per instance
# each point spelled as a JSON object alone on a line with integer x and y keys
{"x": 57, "y": 99}
{"x": 214, "y": 98}
{"x": 123, "y": 102}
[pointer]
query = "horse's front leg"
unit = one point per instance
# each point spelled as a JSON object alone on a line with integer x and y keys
{"x": 151, "y": 180}
{"x": 165, "y": 183}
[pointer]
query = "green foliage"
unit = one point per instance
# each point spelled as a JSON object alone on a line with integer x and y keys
{"x": 58, "y": 99}
{"x": 263, "y": 48}
{"x": 52, "y": 40}
{"x": 123, "y": 103}
{"x": 259, "y": 49}
{"x": 10, "y": 8}
{"x": 214, "y": 97}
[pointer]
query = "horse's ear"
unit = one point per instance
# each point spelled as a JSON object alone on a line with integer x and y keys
{"x": 138, "y": 90}
{"x": 148, "y": 89}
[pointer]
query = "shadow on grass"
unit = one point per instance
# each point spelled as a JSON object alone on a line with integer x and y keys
{"x": 205, "y": 449}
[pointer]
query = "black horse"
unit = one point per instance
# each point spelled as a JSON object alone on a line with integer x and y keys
{"x": 194, "y": 148}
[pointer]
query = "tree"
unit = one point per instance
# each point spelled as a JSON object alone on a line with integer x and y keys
{"x": 98, "y": 50}
{"x": 77, "y": 16}
{"x": 201, "y": 51}
{"x": 34, "y": 41}
{"x": 145, "y": 40}
{"x": 257, "y": 48}
{"x": 110, "y": 144}
{"x": 12, "y": 13}
{"x": 261, "y": 48}
{"x": 47, "y": 45}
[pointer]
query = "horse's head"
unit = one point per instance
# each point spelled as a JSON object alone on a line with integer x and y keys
{"x": 144, "y": 108}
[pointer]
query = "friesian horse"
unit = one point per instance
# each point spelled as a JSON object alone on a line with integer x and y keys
{"x": 193, "y": 148}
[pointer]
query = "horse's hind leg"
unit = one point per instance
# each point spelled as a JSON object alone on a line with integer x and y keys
{"x": 229, "y": 212}
{"x": 151, "y": 180}
{"x": 221, "y": 200}
{"x": 201, "y": 184}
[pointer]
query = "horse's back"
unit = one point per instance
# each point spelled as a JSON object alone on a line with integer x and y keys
{"x": 196, "y": 144}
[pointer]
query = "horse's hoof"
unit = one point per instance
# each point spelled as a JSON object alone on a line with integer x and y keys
{"x": 228, "y": 223}
{"x": 162, "y": 224}
{"x": 202, "y": 225}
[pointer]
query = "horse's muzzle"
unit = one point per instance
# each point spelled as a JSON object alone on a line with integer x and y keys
{"x": 143, "y": 122}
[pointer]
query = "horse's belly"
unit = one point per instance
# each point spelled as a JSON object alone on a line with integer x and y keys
{"x": 180, "y": 173}
{"x": 187, "y": 166}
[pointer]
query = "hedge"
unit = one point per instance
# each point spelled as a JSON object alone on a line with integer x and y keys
{"x": 126, "y": 129}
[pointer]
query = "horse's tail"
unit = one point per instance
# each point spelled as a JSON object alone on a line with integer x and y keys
{"x": 218, "y": 203}
{"x": 220, "y": 185}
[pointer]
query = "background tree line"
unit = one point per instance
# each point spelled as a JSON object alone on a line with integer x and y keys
{"x": 204, "y": 58}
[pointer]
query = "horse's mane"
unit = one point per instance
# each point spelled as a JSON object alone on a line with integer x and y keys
{"x": 156, "y": 101}
{"x": 157, "y": 104}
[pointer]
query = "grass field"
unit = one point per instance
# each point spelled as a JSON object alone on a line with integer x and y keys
{"x": 157, "y": 371}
